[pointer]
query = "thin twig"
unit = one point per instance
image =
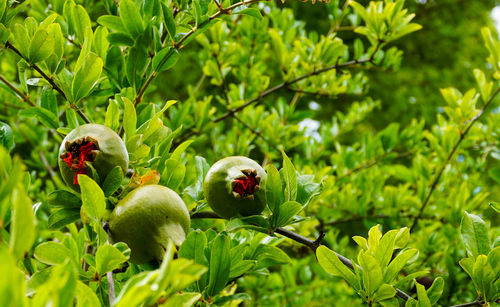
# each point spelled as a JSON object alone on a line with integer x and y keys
{"x": 278, "y": 87}
{"x": 51, "y": 82}
{"x": 226, "y": 98}
{"x": 293, "y": 81}
{"x": 21, "y": 95}
{"x": 312, "y": 244}
{"x": 109, "y": 275}
{"x": 220, "y": 12}
{"x": 371, "y": 164}
{"x": 178, "y": 45}
{"x": 471, "y": 122}
{"x": 475, "y": 303}
{"x": 257, "y": 133}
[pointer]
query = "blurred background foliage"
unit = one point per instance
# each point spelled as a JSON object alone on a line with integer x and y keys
{"x": 373, "y": 135}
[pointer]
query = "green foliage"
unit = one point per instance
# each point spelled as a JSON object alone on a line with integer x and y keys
{"x": 375, "y": 273}
{"x": 317, "y": 94}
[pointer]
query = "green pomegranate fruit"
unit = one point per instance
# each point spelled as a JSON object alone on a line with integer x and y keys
{"x": 146, "y": 219}
{"x": 91, "y": 143}
{"x": 234, "y": 187}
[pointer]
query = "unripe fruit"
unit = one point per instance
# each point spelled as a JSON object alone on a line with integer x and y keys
{"x": 234, "y": 187}
{"x": 146, "y": 219}
{"x": 95, "y": 144}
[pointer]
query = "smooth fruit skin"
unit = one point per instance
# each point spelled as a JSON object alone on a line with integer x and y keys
{"x": 112, "y": 152}
{"x": 218, "y": 190}
{"x": 146, "y": 218}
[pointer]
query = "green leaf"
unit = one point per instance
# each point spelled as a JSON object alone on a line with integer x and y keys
{"x": 165, "y": 59}
{"x": 177, "y": 154}
{"x": 495, "y": 174}
{"x": 268, "y": 255}
{"x": 81, "y": 22}
{"x": 64, "y": 199}
{"x": 329, "y": 261}
{"x": 120, "y": 39}
{"x": 52, "y": 253}
{"x": 248, "y": 11}
{"x": 273, "y": 189}
{"x": 494, "y": 261}
{"x": 87, "y": 76}
{"x": 241, "y": 268}
{"x": 85, "y": 296}
{"x": 6, "y": 138}
{"x": 372, "y": 273}
{"x": 22, "y": 228}
{"x": 112, "y": 119}
{"x": 48, "y": 101}
{"x": 495, "y": 205}
{"x": 129, "y": 118}
{"x": 194, "y": 247}
{"x": 398, "y": 263}
{"x": 185, "y": 299}
{"x": 41, "y": 46}
{"x": 435, "y": 291}
{"x": 13, "y": 281}
{"x": 168, "y": 17}
{"x": 485, "y": 86}
{"x": 220, "y": 264}
{"x": 113, "y": 181}
{"x": 385, "y": 248}
{"x": 385, "y": 292}
{"x": 402, "y": 237}
{"x": 174, "y": 174}
{"x": 112, "y": 22}
{"x": 108, "y": 258}
{"x": 136, "y": 64}
{"x": 101, "y": 43}
{"x": 224, "y": 300}
{"x": 423, "y": 299}
{"x": 21, "y": 39}
{"x": 93, "y": 200}
{"x": 46, "y": 117}
{"x": 290, "y": 178}
{"x": 287, "y": 211}
{"x": 63, "y": 217}
{"x": 474, "y": 235}
{"x": 131, "y": 17}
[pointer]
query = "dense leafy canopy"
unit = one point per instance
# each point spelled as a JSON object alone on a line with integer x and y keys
{"x": 376, "y": 122}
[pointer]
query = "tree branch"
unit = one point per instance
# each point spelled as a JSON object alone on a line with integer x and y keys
{"x": 21, "y": 95}
{"x": 475, "y": 303}
{"x": 312, "y": 244}
{"x": 434, "y": 184}
{"x": 372, "y": 163}
{"x": 221, "y": 11}
{"x": 178, "y": 45}
{"x": 51, "y": 82}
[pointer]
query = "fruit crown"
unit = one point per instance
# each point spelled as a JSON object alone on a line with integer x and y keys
{"x": 78, "y": 152}
{"x": 246, "y": 185}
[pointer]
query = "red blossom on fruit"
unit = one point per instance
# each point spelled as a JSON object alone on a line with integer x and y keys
{"x": 77, "y": 153}
{"x": 245, "y": 186}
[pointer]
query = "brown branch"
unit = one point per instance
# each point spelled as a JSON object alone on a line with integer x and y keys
{"x": 226, "y": 98}
{"x": 21, "y": 95}
{"x": 221, "y": 11}
{"x": 257, "y": 133}
{"x": 372, "y": 163}
{"x": 471, "y": 122}
{"x": 312, "y": 244}
{"x": 144, "y": 87}
{"x": 51, "y": 82}
{"x": 286, "y": 84}
{"x": 178, "y": 45}
{"x": 475, "y": 303}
